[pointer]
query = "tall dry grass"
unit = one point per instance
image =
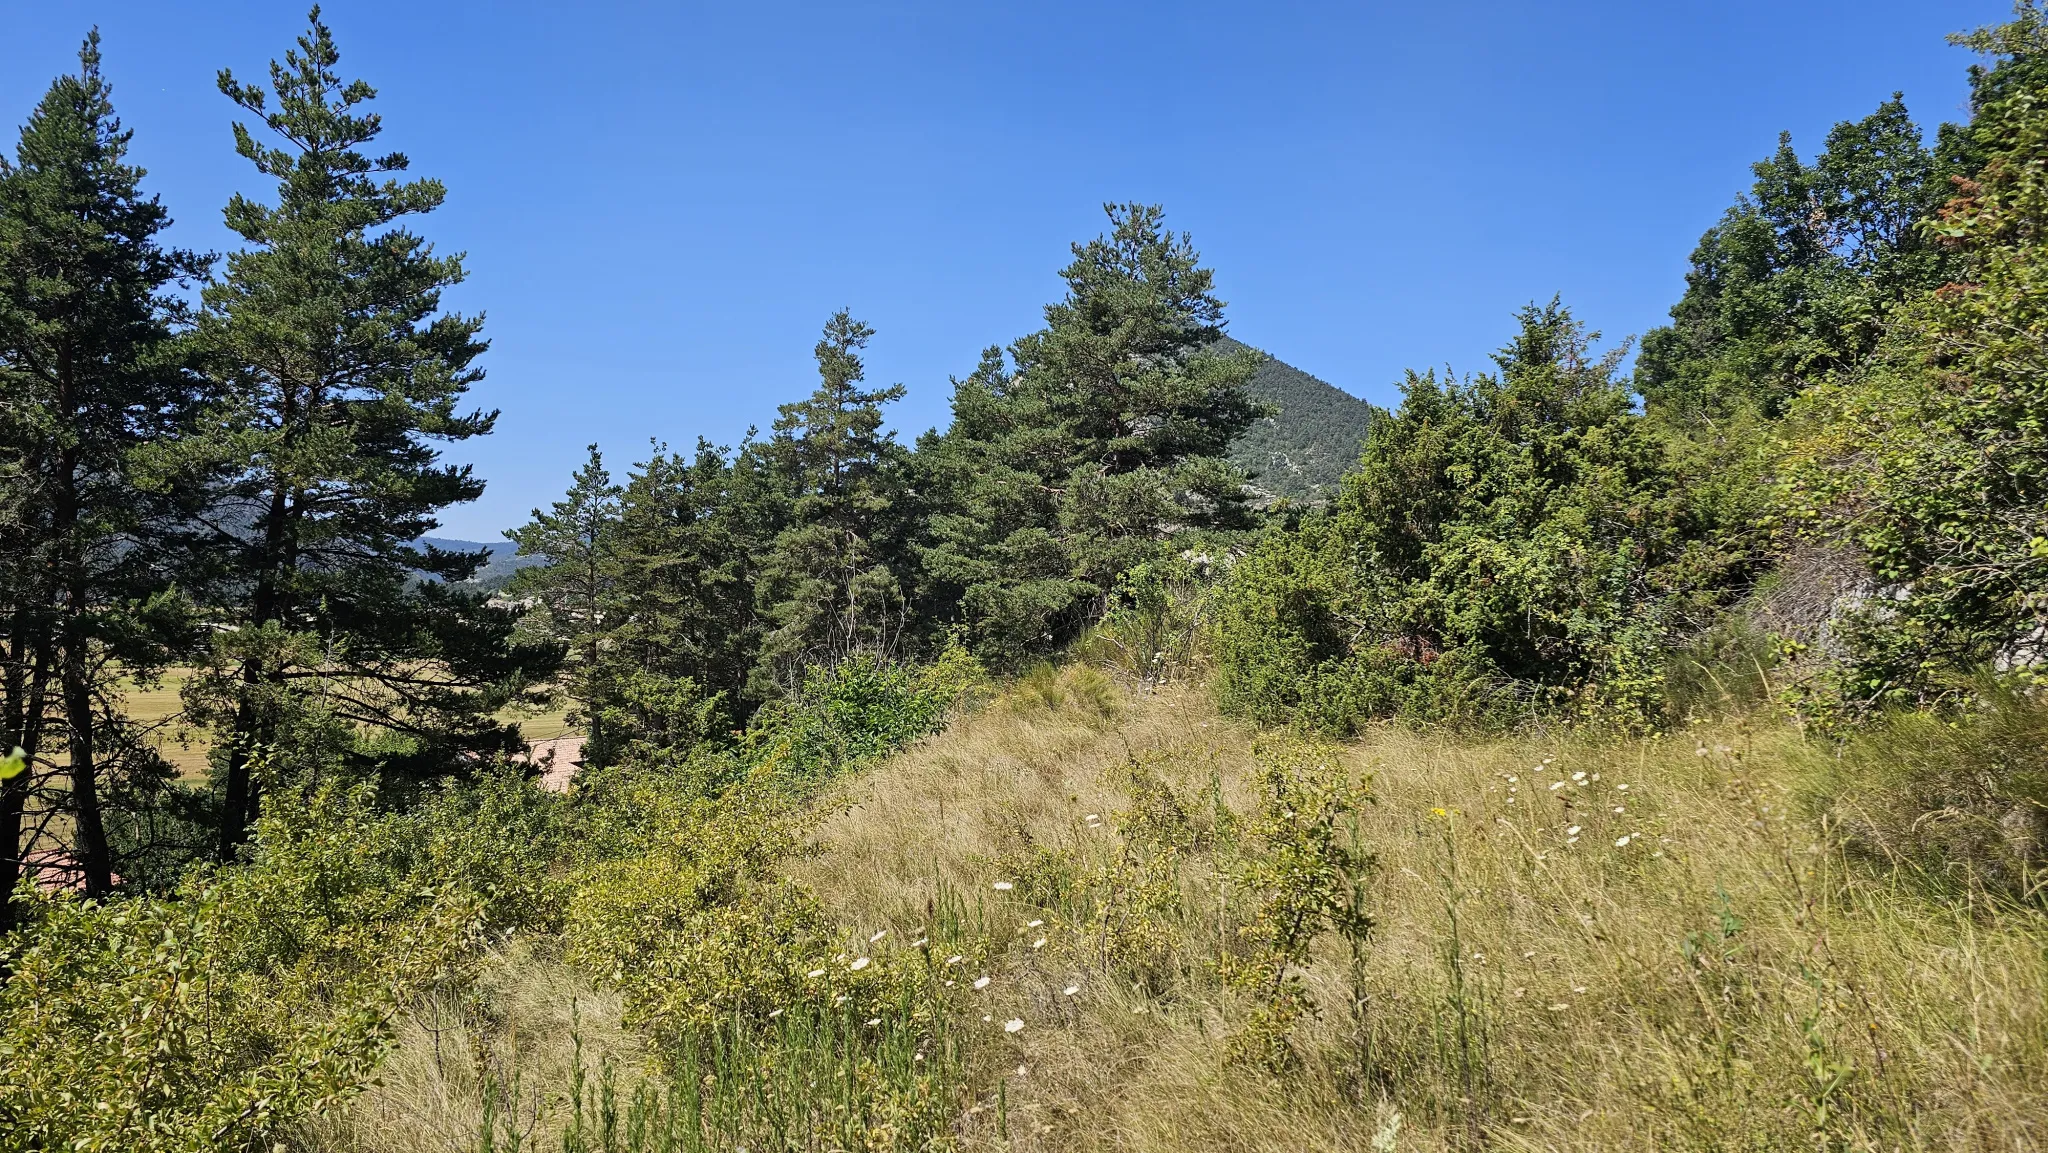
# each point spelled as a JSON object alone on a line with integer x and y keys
{"x": 511, "y": 1031}
{"x": 1579, "y": 945}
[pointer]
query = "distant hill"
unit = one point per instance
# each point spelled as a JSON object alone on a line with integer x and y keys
{"x": 1315, "y": 439}
{"x": 504, "y": 560}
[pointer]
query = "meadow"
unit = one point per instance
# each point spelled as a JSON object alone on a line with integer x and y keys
{"x": 1576, "y": 943}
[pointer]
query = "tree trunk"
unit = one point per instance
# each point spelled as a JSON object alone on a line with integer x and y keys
{"x": 254, "y": 725}
{"x": 90, "y": 842}
{"x": 24, "y": 719}
{"x": 95, "y": 862}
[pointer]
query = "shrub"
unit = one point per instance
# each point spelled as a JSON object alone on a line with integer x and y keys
{"x": 1512, "y": 543}
{"x": 1931, "y": 459}
{"x": 128, "y": 1026}
{"x": 860, "y": 709}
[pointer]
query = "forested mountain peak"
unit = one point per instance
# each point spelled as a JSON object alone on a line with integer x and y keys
{"x": 1300, "y": 450}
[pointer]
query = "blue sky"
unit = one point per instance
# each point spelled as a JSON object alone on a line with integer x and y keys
{"x": 661, "y": 203}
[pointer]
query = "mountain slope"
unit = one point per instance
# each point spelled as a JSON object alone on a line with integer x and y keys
{"x": 498, "y": 568}
{"x": 1314, "y": 439}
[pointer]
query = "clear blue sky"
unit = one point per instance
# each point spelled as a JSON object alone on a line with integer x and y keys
{"x": 662, "y": 202}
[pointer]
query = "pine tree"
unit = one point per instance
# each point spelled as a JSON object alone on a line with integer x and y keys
{"x": 681, "y": 629}
{"x": 576, "y": 540}
{"x": 1103, "y": 444}
{"x": 341, "y": 372}
{"x": 832, "y": 584}
{"x": 90, "y": 369}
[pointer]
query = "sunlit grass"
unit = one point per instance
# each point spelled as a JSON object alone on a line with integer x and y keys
{"x": 1579, "y": 944}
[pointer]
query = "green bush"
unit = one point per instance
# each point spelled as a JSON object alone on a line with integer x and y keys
{"x": 1517, "y": 543}
{"x": 862, "y": 708}
{"x": 131, "y": 1025}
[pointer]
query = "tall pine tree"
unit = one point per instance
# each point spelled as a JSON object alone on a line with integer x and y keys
{"x": 577, "y": 542}
{"x": 90, "y": 369}
{"x": 832, "y": 583}
{"x": 1104, "y": 444}
{"x": 341, "y": 372}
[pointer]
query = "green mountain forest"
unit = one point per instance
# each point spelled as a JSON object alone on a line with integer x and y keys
{"x": 1309, "y": 437}
{"x": 1171, "y": 752}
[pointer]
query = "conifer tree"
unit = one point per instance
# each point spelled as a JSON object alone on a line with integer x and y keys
{"x": 832, "y": 583}
{"x": 341, "y": 371}
{"x": 681, "y": 628}
{"x": 1104, "y": 443}
{"x": 90, "y": 369}
{"x": 576, "y": 540}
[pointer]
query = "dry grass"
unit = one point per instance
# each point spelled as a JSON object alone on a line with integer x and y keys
{"x": 518, "y": 1021}
{"x": 1720, "y": 981}
{"x": 158, "y": 707}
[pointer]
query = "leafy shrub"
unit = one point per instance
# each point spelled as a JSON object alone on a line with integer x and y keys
{"x": 771, "y": 1029}
{"x": 1931, "y": 459}
{"x": 860, "y": 709}
{"x": 1152, "y": 631}
{"x": 1307, "y": 877}
{"x": 1516, "y": 542}
{"x": 129, "y": 1026}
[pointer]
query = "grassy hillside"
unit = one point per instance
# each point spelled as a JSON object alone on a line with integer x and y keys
{"x": 1575, "y": 945}
{"x": 1304, "y": 449}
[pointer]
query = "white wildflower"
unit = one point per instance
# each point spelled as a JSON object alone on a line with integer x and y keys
{"x": 1003, "y": 886}
{"x": 1033, "y": 924}
{"x": 874, "y": 1020}
{"x": 878, "y": 936}
{"x": 1572, "y": 832}
{"x": 954, "y": 959}
{"x": 860, "y": 963}
{"x": 1070, "y": 990}
{"x": 1013, "y": 1025}
{"x": 982, "y": 982}
{"x": 814, "y": 974}
{"x": 1039, "y": 943}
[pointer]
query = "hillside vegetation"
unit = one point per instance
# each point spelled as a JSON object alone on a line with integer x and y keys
{"x": 1665, "y": 951}
{"x": 1609, "y": 760}
{"x": 1309, "y": 437}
